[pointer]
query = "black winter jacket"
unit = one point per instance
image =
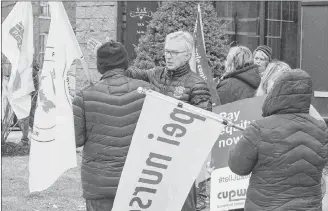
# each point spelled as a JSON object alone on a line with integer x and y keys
{"x": 105, "y": 117}
{"x": 182, "y": 84}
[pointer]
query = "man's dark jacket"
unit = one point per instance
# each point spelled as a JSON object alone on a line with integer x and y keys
{"x": 182, "y": 84}
{"x": 105, "y": 117}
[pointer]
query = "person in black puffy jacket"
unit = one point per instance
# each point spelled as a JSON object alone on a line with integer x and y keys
{"x": 105, "y": 117}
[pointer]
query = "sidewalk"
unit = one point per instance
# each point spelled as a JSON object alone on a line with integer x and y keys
{"x": 14, "y": 136}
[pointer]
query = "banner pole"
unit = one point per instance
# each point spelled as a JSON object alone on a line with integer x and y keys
{"x": 180, "y": 104}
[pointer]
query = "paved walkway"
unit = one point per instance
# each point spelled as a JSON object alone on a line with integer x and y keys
{"x": 14, "y": 136}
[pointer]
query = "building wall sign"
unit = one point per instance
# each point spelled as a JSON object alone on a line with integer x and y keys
{"x": 139, "y": 13}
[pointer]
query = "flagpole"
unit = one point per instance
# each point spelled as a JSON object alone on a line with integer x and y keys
{"x": 181, "y": 104}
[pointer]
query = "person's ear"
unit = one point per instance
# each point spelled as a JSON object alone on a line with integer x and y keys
{"x": 188, "y": 57}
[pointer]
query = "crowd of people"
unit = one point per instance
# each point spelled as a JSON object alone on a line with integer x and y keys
{"x": 285, "y": 152}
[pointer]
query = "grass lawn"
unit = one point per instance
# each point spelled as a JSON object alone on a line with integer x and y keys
{"x": 64, "y": 195}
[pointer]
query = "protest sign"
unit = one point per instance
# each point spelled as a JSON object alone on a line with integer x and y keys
{"x": 167, "y": 151}
{"x": 228, "y": 190}
{"x": 242, "y": 113}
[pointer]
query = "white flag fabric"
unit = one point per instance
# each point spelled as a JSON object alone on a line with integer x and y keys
{"x": 53, "y": 149}
{"x": 167, "y": 151}
{"x": 17, "y": 46}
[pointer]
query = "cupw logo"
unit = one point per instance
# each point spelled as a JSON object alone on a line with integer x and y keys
{"x": 233, "y": 195}
{"x": 17, "y": 32}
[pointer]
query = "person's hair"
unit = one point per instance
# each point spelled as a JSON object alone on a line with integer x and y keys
{"x": 241, "y": 57}
{"x": 271, "y": 73}
{"x": 184, "y": 36}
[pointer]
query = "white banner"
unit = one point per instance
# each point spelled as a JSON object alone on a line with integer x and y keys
{"x": 228, "y": 190}
{"x": 53, "y": 149}
{"x": 17, "y": 46}
{"x": 166, "y": 154}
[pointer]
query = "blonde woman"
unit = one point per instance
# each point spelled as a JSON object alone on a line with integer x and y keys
{"x": 241, "y": 79}
{"x": 274, "y": 70}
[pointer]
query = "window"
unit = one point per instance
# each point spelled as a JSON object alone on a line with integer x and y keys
{"x": 243, "y": 21}
{"x": 281, "y": 22}
{"x": 272, "y": 23}
{"x": 43, "y": 41}
{"x": 44, "y": 9}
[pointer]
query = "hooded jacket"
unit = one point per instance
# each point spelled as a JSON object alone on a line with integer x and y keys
{"x": 285, "y": 152}
{"x": 239, "y": 84}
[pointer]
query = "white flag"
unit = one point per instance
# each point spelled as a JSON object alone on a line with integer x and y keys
{"x": 165, "y": 156}
{"x": 53, "y": 149}
{"x": 17, "y": 46}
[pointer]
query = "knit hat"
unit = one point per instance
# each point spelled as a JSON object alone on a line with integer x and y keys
{"x": 266, "y": 50}
{"x": 111, "y": 55}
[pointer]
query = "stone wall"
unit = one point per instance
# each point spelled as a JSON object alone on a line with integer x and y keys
{"x": 96, "y": 20}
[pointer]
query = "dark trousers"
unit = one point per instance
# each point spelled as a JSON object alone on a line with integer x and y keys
{"x": 24, "y": 126}
{"x": 99, "y": 204}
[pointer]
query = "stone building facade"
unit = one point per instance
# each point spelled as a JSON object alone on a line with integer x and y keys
{"x": 96, "y": 20}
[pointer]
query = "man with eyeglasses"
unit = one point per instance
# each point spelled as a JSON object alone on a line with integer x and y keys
{"x": 178, "y": 81}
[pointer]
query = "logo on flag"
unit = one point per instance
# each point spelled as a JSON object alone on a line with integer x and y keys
{"x": 17, "y": 32}
{"x": 17, "y": 46}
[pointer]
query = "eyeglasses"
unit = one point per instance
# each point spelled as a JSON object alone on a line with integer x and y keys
{"x": 173, "y": 53}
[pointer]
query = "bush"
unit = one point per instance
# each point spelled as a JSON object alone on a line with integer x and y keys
{"x": 175, "y": 16}
{"x": 10, "y": 149}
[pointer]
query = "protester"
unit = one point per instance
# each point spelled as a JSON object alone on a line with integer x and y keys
{"x": 241, "y": 78}
{"x": 178, "y": 81}
{"x": 34, "y": 94}
{"x": 262, "y": 57}
{"x": 105, "y": 117}
{"x": 26, "y": 123}
{"x": 286, "y": 151}
{"x": 273, "y": 71}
